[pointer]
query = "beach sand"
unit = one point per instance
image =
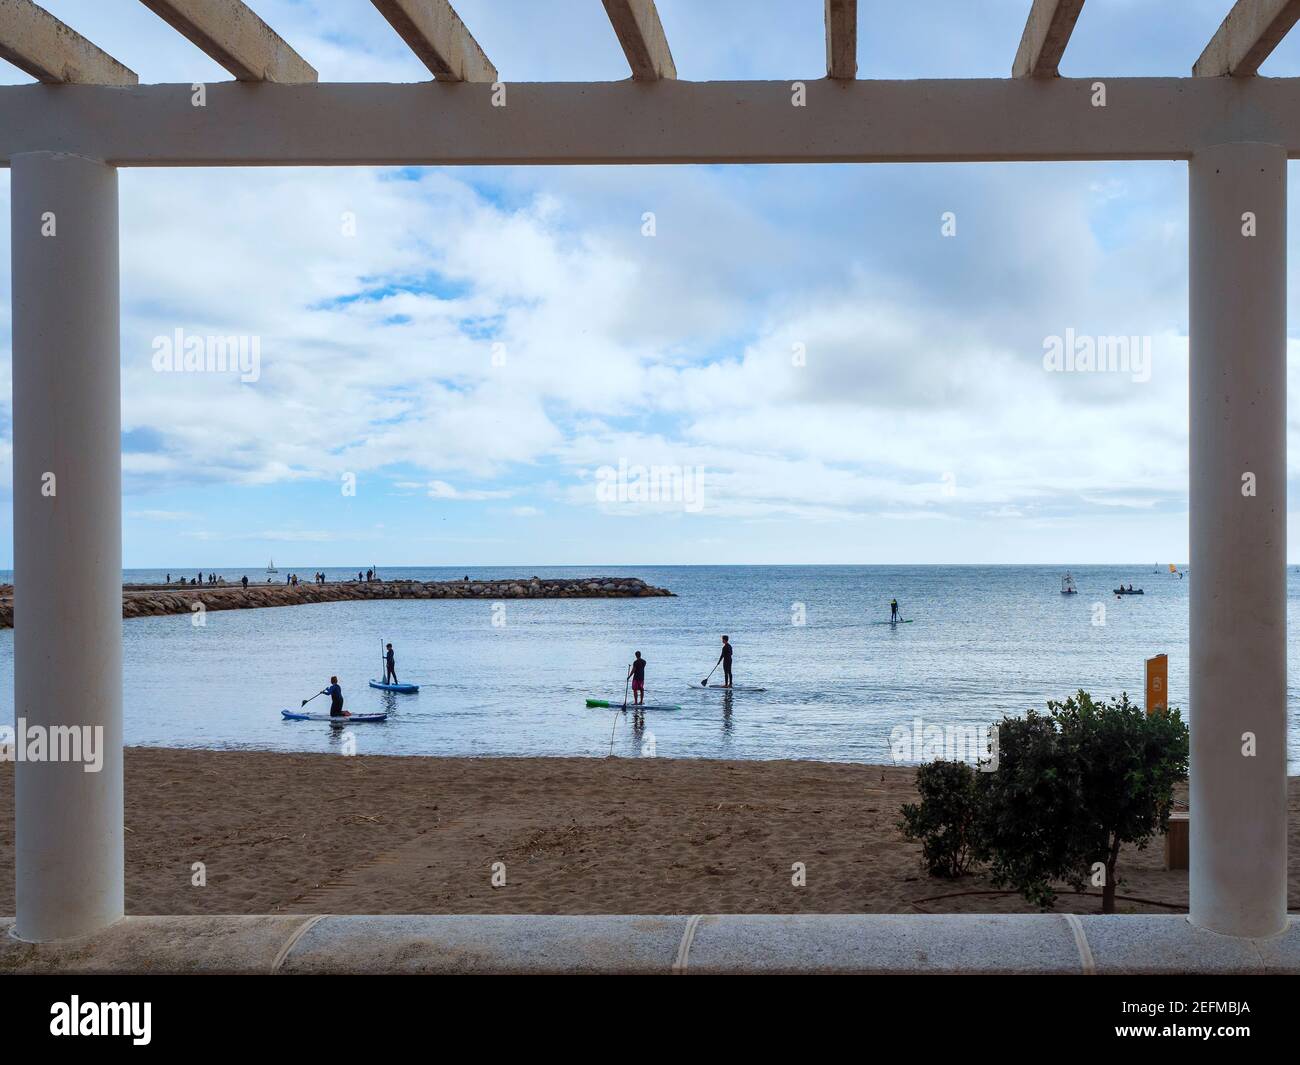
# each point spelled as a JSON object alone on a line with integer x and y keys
{"x": 321, "y": 833}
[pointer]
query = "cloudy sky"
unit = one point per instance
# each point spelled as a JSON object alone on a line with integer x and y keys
{"x": 830, "y": 378}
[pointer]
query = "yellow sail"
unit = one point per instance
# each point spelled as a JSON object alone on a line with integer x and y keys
{"x": 1173, "y": 568}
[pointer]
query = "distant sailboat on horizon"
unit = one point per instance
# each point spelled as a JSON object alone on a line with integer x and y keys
{"x": 270, "y": 568}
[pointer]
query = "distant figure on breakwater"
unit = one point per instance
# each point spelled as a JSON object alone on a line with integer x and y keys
{"x": 370, "y": 575}
{"x": 390, "y": 667}
{"x": 244, "y": 580}
{"x": 336, "y": 699}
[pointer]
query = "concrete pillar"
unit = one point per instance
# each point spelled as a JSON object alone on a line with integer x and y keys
{"x": 67, "y": 539}
{"x": 1238, "y": 539}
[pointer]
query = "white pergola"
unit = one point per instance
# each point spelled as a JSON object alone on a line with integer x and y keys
{"x": 65, "y": 138}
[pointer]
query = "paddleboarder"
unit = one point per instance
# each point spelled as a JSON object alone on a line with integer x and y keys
{"x": 637, "y": 672}
{"x": 336, "y": 699}
{"x": 390, "y": 664}
{"x": 893, "y": 611}
{"x": 725, "y": 659}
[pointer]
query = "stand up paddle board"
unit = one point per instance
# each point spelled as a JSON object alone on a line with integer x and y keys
{"x": 617, "y": 704}
{"x": 296, "y": 715}
{"x": 900, "y": 621}
{"x": 406, "y": 689}
{"x": 733, "y": 688}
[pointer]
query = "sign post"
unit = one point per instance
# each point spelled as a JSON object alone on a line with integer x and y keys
{"x": 1157, "y": 684}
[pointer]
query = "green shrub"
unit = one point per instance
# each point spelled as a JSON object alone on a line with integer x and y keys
{"x": 1074, "y": 785}
{"x": 1071, "y": 787}
{"x": 946, "y": 819}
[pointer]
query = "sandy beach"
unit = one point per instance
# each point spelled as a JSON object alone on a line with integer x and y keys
{"x": 311, "y": 833}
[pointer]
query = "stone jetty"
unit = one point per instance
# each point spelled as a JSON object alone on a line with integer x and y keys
{"x": 145, "y": 600}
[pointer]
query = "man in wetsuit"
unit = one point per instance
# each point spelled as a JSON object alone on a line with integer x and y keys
{"x": 390, "y": 667}
{"x": 336, "y": 699}
{"x": 725, "y": 659}
{"x": 893, "y": 610}
{"x": 637, "y": 672}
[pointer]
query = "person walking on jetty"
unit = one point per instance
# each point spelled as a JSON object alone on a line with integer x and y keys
{"x": 336, "y": 699}
{"x": 725, "y": 660}
{"x": 390, "y": 666}
{"x": 636, "y": 671}
{"x": 244, "y": 581}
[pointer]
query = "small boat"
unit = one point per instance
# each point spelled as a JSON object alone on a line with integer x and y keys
{"x": 1129, "y": 591}
{"x": 405, "y": 689}
{"x": 617, "y": 704}
{"x": 1067, "y": 586}
{"x": 270, "y": 567}
{"x": 333, "y": 719}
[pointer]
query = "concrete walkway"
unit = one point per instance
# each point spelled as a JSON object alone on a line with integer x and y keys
{"x": 817, "y": 943}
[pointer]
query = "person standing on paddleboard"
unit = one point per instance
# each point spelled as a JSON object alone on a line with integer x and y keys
{"x": 893, "y": 610}
{"x": 725, "y": 659}
{"x": 637, "y": 672}
{"x": 390, "y": 664}
{"x": 336, "y": 699}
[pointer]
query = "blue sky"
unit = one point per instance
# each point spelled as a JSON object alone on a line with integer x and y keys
{"x": 485, "y": 346}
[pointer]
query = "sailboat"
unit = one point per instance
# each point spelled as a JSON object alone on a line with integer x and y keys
{"x": 1067, "y": 586}
{"x": 270, "y": 568}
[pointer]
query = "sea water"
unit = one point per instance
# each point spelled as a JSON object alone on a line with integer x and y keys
{"x": 512, "y": 680}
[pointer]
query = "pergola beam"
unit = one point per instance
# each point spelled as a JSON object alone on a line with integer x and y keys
{"x": 435, "y": 33}
{"x": 842, "y": 38}
{"x": 232, "y": 34}
{"x": 639, "y": 30}
{"x": 1047, "y": 32}
{"x": 1246, "y": 37}
{"x": 548, "y": 123}
{"x": 37, "y": 43}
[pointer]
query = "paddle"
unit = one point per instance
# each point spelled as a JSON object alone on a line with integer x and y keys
{"x": 316, "y": 696}
{"x": 705, "y": 682}
{"x": 624, "y": 710}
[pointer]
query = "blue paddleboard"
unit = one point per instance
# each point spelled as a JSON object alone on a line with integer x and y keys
{"x": 333, "y": 719}
{"x": 404, "y": 688}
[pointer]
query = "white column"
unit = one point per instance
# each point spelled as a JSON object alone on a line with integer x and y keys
{"x": 67, "y": 469}
{"x": 1238, "y": 539}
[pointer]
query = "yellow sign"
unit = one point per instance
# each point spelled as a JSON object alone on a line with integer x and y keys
{"x": 1157, "y": 684}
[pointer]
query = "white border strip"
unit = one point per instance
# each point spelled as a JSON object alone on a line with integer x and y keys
{"x": 1081, "y": 941}
{"x": 684, "y": 948}
{"x": 294, "y": 940}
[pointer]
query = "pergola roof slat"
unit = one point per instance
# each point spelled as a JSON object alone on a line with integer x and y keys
{"x": 38, "y": 43}
{"x": 841, "y": 38}
{"x": 435, "y": 33}
{"x": 641, "y": 33}
{"x": 1047, "y": 32}
{"x": 1249, "y": 33}
{"x": 232, "y": 34}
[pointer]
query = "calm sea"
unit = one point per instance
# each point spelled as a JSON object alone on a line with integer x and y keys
{"x": 986, "y": 640}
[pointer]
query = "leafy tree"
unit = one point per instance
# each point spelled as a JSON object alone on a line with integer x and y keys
{"x": 1070, "y": 788}
{"x": 945, "y": 820}
{"x": 1073, "y": 786}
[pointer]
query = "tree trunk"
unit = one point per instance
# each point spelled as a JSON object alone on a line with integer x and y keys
{"x": 1108, "y": 889}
